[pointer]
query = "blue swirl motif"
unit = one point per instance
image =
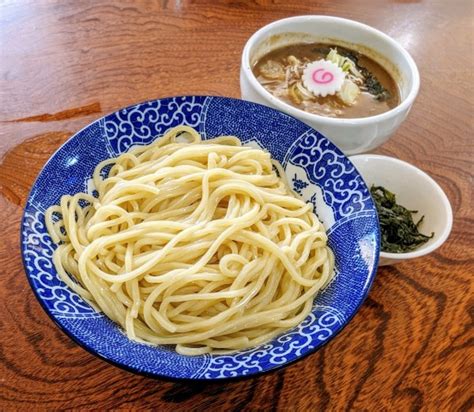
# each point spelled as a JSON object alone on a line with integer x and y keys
{"x": 343, "y": 188}
{"x": 318, "y": 327}
{"x": 38, "y": 253}
{"x": 142, "y": 123}
{"x": 299, "y": 184}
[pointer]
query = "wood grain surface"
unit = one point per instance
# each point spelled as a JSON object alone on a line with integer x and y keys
{"x": 66, "y": 63}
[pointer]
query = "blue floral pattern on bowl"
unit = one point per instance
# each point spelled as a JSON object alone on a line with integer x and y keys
{"x": 317, "y": 170}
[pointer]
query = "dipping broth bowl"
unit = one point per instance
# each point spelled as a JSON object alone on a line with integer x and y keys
{"x": 355, "y": 135}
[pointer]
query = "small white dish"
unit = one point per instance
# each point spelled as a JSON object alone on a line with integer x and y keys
{"x": 414, "y": 190}
{"x": 352, "y": 136}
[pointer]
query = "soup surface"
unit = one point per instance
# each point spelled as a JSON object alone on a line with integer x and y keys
{"x": 281, "y": 70}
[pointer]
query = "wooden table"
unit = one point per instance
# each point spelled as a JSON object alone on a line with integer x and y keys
{"x": 66, "y": 63}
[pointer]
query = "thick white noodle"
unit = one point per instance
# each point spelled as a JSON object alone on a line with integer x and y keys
{"x": 197, "y": 244}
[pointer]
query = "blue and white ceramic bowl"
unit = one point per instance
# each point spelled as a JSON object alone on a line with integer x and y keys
{"x": 318, "y": 171}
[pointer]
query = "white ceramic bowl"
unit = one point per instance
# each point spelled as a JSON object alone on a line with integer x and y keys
{"x": 350, "y": 135}
{"x": 416, "y": 191}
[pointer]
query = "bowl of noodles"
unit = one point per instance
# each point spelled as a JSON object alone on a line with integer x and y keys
{"x": 200, "y": 237}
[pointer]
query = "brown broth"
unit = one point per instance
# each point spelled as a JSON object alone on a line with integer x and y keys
{"x": 330, "y": 106}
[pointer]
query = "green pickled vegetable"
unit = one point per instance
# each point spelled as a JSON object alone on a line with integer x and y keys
{"x": 371, "y": 83}
{"x": 398, "y": 230}
{"x": 374, "y": 87}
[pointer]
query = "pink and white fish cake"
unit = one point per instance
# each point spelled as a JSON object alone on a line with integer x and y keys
{"x": 323, "y": 78}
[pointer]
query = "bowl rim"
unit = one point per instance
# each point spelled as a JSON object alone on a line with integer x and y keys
{"x": 404, "y": 105}
{"x": 154, "y": 375}
{"x": 447, "y": 209}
